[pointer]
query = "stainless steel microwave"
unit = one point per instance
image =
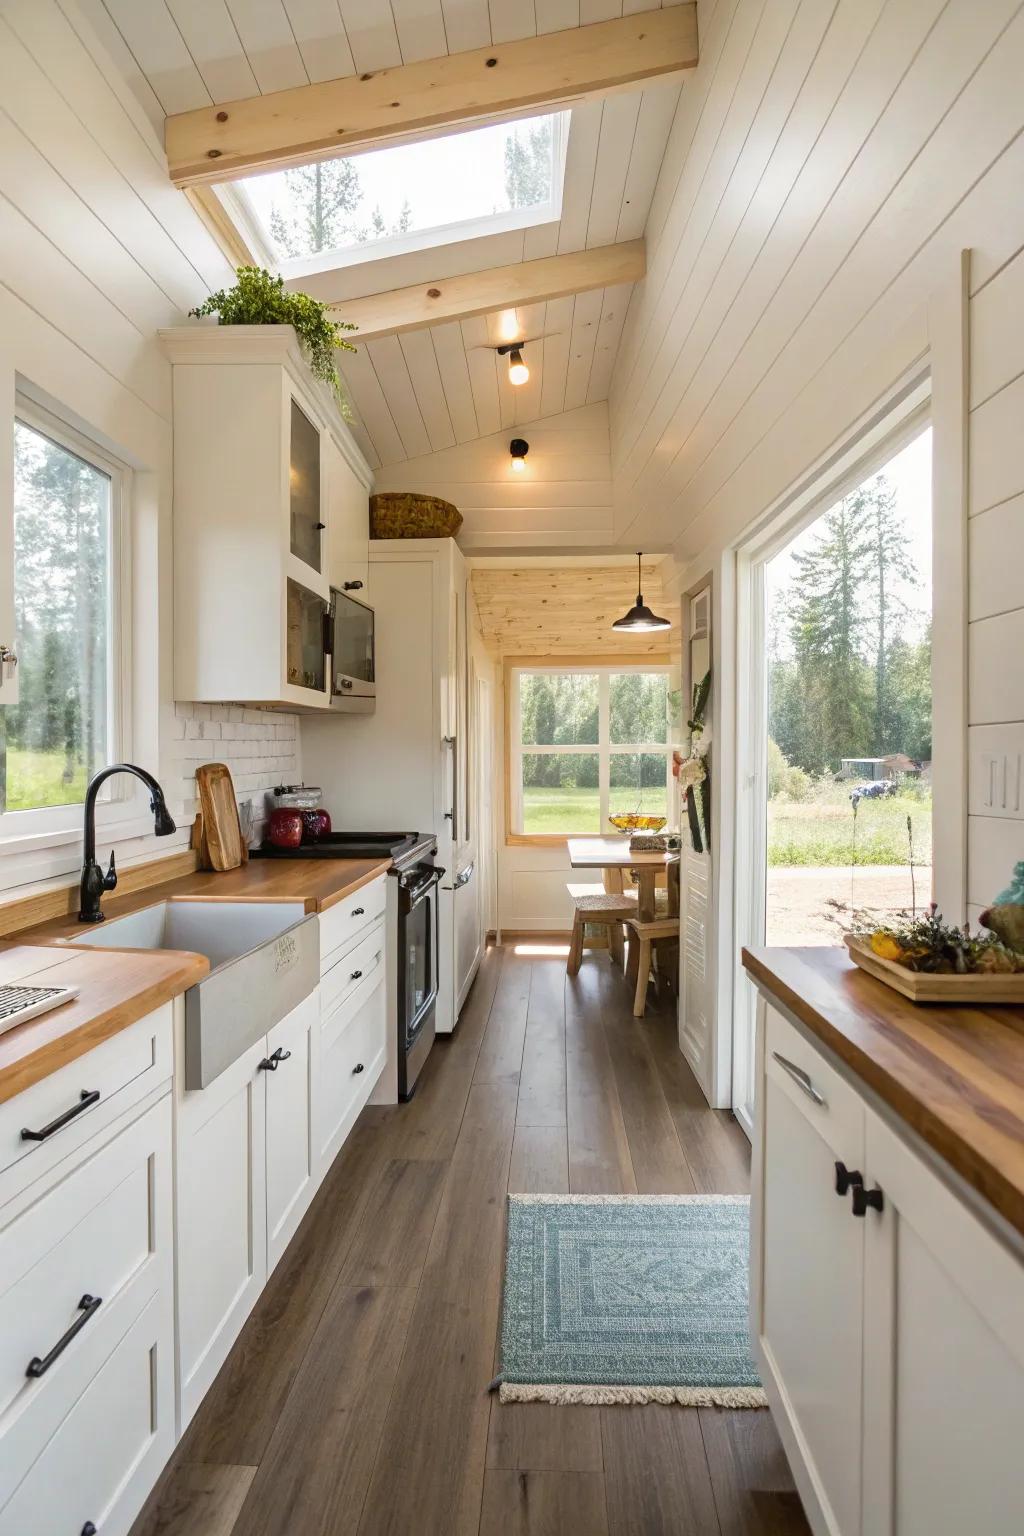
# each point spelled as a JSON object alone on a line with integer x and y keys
{"x": 350, "y": 650}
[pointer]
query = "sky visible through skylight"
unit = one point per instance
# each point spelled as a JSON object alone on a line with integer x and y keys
{"x": 407, "y": 188}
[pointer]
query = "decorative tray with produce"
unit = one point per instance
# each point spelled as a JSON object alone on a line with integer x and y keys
{"x": 929, "y": 961}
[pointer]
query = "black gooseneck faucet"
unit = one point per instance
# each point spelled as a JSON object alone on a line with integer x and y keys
{"x": 94, "y": 881}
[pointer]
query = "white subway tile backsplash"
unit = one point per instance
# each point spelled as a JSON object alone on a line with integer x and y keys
{"x": 261, "y": 748}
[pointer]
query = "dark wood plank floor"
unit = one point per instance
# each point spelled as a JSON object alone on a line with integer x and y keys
{"x": 355, "y": 1401}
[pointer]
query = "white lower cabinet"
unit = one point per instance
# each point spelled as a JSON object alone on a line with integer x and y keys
{"x": 289, "y": 1150}
{"x": 220, "y": 1218}
{"x": 886, "y": 1318}
{"x": 87, "y": 1323}
{"x": 351, "y": 1057}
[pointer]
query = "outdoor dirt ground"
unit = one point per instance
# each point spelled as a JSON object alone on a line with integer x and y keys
{"x": 814, "y": 906}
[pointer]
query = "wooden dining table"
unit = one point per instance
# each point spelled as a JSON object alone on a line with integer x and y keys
{"x": 613, "y": 857}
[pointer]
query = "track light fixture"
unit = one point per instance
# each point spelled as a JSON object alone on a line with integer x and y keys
{"x": 518, "y": 373}
{"x": 518, "y": 448}
{"x": 640, "y": 619}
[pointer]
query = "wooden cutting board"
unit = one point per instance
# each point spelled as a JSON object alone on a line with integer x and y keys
{"x": 222, "y": 832}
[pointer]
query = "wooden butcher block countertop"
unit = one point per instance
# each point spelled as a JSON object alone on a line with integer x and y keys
{"x": 120, "y": 986}
{"x": 954, "y": 1074}
{"x": 116, "y": 988}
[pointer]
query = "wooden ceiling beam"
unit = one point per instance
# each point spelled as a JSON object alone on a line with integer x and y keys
{"x": 334, "y": 117}
{"x": 481, "y": 293}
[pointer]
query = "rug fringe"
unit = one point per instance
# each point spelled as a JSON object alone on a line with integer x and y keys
{"x": 686, "y": 1397}
{"x": 630, "y": 1199}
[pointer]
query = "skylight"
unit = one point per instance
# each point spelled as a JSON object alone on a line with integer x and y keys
{"x": 335, "y": 212}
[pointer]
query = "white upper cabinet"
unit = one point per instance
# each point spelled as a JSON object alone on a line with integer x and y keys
{"x": 270, "y": 510}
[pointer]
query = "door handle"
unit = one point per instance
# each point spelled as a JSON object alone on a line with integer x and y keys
{"x": 87, "y": 1308}
{"x": 867, "y": 1199}
{"x": 802, "y": 1080}
{"x": 87, "y": 1099}
{"x": 847, "y": 1179}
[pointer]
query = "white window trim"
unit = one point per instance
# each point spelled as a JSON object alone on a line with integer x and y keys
{"x": 243, "y": 215}
{"x": 604, "y": 749}
{"x": 118, "y": 810}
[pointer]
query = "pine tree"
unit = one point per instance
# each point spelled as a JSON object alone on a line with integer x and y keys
{"x": 883, "y": 536}
{"x": 528, "y": 165}
{"x": 321, "y": 198}
{"x": 826, "y": 632}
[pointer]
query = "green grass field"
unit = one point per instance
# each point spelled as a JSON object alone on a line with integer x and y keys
{"x": 577, "y": 812}
{"x": 35, "y": 779}
{"x": 819, "y": 832}
{"x": 816, "y": 833}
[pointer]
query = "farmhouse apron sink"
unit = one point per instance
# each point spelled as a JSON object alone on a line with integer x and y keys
{"x": 264, "y": 959}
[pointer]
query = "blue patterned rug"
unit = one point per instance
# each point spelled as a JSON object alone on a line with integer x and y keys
{"x": 628, "y": 1299}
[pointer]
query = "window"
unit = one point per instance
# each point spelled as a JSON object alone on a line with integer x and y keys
{"x": 586, "y": 744}
{"x": 405, "y": 197}
{"x": 66, "y": 515}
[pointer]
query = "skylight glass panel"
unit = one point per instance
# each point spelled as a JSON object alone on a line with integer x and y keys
{"x": 506, "y": 175}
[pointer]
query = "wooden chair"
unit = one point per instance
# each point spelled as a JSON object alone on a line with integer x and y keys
{"x": 650, "y": 939}
{"x": 602, "y": 909}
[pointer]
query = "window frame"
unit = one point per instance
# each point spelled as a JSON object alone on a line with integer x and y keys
{"x": 240, "y": 209}
{"x": 57, "y": 823}
{"x": 604, "y": 749}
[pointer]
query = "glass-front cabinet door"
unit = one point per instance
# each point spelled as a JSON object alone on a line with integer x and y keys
{"x": 307, "y": 662}
{"x": 304, "y": 489}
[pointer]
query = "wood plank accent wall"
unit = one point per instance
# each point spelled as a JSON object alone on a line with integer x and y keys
{"x": 564, "y": 610}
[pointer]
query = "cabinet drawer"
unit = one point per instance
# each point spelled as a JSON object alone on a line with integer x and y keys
{"x": 102, "y": 1233}
{"x": 105, "y": 1457}
{"x": 121, "y": 1071}
{"x": 353, "y": 1046}
{"x": 355, "y": 965}
{"x": 815, "y": 1087}
{"x": 343, "y": 922}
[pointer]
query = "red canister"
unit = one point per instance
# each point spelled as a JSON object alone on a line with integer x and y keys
{"x": 284, "y": 828}
{"x": 316, "y": 824}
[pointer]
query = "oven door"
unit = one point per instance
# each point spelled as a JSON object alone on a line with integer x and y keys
{"x": 417, "y": 950}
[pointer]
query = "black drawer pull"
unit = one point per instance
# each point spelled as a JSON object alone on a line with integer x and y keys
{"x": 355, "y": 975}
{"x": 271, "y": 1063}
{"x": 39, "y": 1367}
{"x": 88, "y": 1098}
{"x": 358, "y": 912}
{"x": 847, "y": 1179}
{"x": 357, "y": 1069}
{"x": 88, "y": 1529}
{"x": 867, "y": 1199}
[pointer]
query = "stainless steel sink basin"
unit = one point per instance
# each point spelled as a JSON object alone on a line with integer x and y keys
{"x": 264, "y": 959}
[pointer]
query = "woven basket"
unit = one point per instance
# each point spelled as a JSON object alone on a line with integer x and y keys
{"x": 402, "y": 515}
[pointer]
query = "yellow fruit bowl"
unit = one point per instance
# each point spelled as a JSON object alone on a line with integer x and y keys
{"x": 634, "y": 822}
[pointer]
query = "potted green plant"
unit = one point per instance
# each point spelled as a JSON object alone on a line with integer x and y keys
{"x": 258, "y": 298}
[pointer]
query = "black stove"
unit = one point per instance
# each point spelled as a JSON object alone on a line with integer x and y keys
{"x": 401, "y": 847}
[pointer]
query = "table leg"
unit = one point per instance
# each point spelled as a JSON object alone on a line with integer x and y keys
{"x": 646, "y": 875}
{"x": 612, "y": 875}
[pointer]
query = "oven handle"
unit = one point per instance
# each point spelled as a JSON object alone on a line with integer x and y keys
{"x": 412, "y": 895}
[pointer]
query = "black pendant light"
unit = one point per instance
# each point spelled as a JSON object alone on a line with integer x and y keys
{"x": 640, "y": 619}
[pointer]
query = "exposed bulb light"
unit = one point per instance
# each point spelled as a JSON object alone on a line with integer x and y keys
{"x": 518, "y": 373}
{"x": 518, "y": 448}
{"x": 640, "y": 620}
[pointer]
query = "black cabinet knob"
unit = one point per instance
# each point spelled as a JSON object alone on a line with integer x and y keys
{"x": 88, "y": 1529}
{"x": 863, "y": 1199}
{"x": 357, "y": 1069}
{"x": 351, "y": 586}
{"x": 847, "y": 1179}
{"x": 319, "y": 527}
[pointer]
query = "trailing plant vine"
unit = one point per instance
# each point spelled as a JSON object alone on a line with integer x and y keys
{"x": 258, "y": 298}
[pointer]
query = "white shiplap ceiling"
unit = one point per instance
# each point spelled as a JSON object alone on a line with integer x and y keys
{"x": 428, "y": 389}
{"x": 182, "y": 54}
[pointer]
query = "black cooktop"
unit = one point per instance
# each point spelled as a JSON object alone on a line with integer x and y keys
{"x": 398, "y": 846}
